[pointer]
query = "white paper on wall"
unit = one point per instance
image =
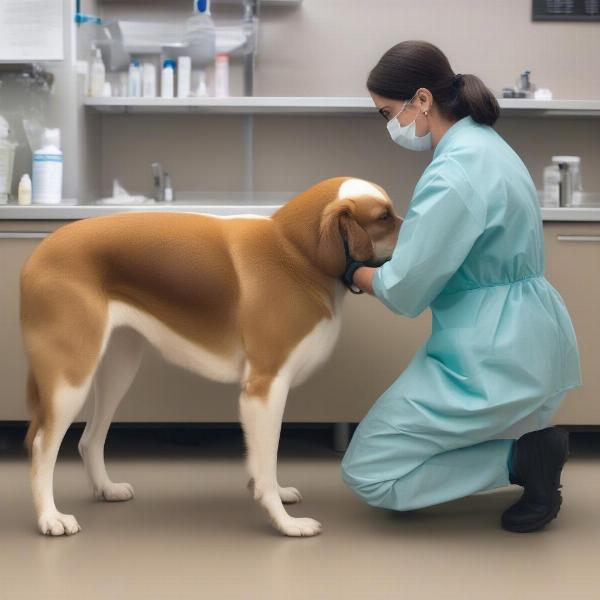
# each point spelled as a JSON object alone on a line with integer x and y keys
{"x": 31, "y": 30}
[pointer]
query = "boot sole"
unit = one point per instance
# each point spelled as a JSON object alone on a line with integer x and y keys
{"x": 529, "y": 527}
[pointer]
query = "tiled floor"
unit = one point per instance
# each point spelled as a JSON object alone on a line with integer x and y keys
{"x": 193, "y": 531}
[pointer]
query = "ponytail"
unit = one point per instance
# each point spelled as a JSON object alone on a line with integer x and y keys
{"x": 474, "y": 98}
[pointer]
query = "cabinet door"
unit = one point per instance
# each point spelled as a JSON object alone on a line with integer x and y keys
{"x": 573, "y": 268}
{"x": 17, "y": 241}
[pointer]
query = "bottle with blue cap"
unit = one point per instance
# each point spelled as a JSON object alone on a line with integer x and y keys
{"x": 200, "y": 34}
{"x": 135, "y": 78}
{"x": 167, "y": 80}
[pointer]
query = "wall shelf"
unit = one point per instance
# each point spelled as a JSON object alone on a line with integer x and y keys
{"x": 305, "y": 105}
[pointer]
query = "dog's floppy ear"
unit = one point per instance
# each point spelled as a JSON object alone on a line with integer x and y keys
{"x": 338, "y": 220}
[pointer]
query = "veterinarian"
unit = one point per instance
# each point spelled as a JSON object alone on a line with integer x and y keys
{"x": 470, "y": 411}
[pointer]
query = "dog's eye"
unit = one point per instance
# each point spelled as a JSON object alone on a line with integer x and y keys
{"x": 384, "y": 216}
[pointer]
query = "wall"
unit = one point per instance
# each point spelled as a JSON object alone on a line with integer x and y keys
{"x": 327, "y": 48}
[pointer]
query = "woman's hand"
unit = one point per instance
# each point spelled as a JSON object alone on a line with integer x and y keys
{"x": 363, "y": 278}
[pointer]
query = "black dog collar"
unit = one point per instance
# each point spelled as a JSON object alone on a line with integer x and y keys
{"x": 351, "y": 266}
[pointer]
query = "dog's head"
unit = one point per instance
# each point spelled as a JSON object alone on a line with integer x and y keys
{"x": 363, "y": 214}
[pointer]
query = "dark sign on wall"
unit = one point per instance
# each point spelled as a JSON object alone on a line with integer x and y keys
{"x": 566, "y": 10}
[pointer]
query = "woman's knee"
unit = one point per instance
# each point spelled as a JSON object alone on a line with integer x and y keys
{"x": 367, "y": 486}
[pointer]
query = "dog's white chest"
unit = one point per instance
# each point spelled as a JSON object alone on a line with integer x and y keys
{"x": 316, "y": 347}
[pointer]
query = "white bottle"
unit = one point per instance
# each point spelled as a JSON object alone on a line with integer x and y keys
{"x": 184, "y": 76}
{"x": 222, "y": 76}
{"x": 97, "y": 76}
{"x": 149, "y": 80}
{"x": 47, "y": 171}
{"x": 24, "y": 192}
{"x": 7, "y": 159}
{"x": 167, "y": 79}
{"x": 202, "y": 89}
{"x": 168, "y": 197}
{"x": 551, "y": 186}
{"x": 135, "y": 79}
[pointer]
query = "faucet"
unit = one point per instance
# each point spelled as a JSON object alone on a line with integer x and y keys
{"x": 159, "y": 183}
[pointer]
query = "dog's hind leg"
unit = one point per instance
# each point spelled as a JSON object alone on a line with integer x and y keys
{"x": 262, "y": 403}
{"x": 112, "y": 379}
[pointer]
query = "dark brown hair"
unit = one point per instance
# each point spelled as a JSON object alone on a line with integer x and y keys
{"x": 413, "y": 64}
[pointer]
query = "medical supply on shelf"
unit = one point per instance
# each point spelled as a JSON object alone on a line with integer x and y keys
{"x": 135, "y": 79}
{"x": 551, "y": 186}
{"x": 7, "y": 159}
{"x": 168, "y": 193}
{"x": 222, "y": 76}
{"x": 97, "y": 75}
{"x": 542, "y": 94}
{"x": 184, "y": 76}
{"x": 524, "y": 88}
{"x": 24, "y": 190}
{"x": 107, "y": 89}
{"x": 200, "y": 34}
{"x": 201, "y": 87}
{"x": 562, "y": 184}
{"x": 570, "y": 186}
{"x": 167, "y": 79}
{"x": 149, "y": 80}
{"x": 47, "y": 171}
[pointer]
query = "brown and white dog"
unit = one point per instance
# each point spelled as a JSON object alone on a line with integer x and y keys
{"x": 247, "y": 299}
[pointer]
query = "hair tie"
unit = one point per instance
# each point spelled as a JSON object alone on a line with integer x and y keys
{"x": 457, "y": 80}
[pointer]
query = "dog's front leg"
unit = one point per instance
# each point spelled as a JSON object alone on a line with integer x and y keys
{"x": 262, "y": 403}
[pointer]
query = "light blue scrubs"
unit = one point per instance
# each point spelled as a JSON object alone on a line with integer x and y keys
{"x": 502, "y": 350}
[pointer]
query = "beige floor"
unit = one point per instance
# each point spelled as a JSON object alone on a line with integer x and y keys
{"x": 193, "y": 531}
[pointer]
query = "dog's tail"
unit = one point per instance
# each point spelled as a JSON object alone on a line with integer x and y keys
{"x": 35, "y": 409}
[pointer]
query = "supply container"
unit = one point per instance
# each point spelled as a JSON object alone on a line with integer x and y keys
{"x": 135, "y": 79}
{"x": 24, "y": 192}
{"x": 167, "y": 79}
{"x": 570, "y": 186}
{"x": 47, "y": 171}
{"x": 551, "y": 186}
{"x": 184, "y": 76}
{"x": 97, "y": 75}
{"x": 200, "y": 34}
{"x": 149, "y": 83}
{"x": 222, "y": 76}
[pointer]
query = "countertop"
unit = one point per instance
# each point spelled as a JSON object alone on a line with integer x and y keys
{"x": 265, "y": 205}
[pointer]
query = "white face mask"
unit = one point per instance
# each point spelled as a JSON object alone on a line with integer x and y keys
{"x": 406, "y": 136}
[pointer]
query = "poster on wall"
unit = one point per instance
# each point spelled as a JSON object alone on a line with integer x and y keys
{"x": 566, "y": 10}
{"x": 31, "y": 30}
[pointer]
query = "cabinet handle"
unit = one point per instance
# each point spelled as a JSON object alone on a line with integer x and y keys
{"x": 578, "y": 238}
{"x": 24, "y": 234}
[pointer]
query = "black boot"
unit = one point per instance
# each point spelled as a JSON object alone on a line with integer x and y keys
{"x": 537, "y": 463}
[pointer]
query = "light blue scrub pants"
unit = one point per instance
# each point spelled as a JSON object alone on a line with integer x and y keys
{"x": 390, "y": 467}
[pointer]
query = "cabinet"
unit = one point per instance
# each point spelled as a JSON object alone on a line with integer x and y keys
{"x": 374, "y": 346}
{"x": 573, "y": 268}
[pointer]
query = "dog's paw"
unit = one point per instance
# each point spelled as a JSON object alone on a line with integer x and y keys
{"x": 303, "y": 527}
{"x": 289, "y": 495}
{"x": 115, "y": 492}
{"x": 58, "y": 524}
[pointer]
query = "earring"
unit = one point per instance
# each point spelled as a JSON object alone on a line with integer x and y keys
{"x": 425, "y": 113}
